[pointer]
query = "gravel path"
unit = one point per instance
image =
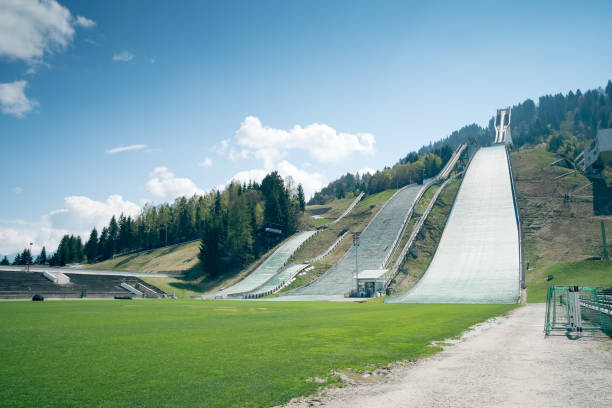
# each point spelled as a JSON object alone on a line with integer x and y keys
{"x": 510, "y": 364}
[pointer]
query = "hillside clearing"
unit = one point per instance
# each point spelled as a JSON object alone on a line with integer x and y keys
{"x": 174, "y": 258}
{"x": 556, "y": 213}
{"x": 584, "y": 273}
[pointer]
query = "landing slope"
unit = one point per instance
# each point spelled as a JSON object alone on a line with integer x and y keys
{"x": 375, "y": 241}
{"x": 477, "y": 260}
{"x": 270, "y": 266}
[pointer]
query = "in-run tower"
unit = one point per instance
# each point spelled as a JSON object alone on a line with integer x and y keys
{"x": 502, "y": 126}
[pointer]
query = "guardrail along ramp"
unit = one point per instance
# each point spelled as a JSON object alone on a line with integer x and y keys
{"x": 478, "y": 257}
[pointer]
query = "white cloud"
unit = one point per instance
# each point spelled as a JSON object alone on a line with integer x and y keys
{"x": 16, "y": 239}
{"x": 322, "y": 142}
{"x": 366, "y": 170}
{"x": 18, "y": 190}
{"x": 13, "y": 100}
{"x": 123, "y": 56}
{"x": 31, "y": 28}
{"x": 311, "y": 182}
{"x": 166, "y": 185}
{"x": 126, "y": 148}
{"x": 207, "y": 162}
{"x": 78, "y": 215}
{"x": 84, "y": 22}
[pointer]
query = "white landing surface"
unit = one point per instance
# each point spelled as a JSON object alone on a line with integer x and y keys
{"x": 477, "y": 260}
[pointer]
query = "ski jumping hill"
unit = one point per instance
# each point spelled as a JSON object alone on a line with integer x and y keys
{"x": 478, "y": 257}
{"x": 376, "y": 241}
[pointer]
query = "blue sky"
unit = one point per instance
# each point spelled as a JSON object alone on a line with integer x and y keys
{"x": 200, "y": 92}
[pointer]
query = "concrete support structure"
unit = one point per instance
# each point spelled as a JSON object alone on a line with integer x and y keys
{"x": 502, "y": 126}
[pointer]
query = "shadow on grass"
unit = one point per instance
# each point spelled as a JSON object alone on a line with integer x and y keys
{"x": 196, "y": 280}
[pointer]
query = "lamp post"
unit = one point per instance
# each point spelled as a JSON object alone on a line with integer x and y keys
{"x": 29, "y": 260}
{"x": 356, "y": 243}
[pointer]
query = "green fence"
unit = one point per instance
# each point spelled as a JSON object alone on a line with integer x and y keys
{"x": 578, "y": 309}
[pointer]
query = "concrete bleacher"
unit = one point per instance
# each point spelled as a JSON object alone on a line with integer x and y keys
{"x": 24, "y": 285}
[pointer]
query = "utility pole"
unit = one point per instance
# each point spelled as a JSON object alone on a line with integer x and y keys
{"x": 356, "y": 236}
{"x": 30, "y": 260}
{"x": 604, "y": 241}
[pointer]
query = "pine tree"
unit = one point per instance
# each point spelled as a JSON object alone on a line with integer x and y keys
{"x": 17, "y": 260}
{"x": 4, "y": 261}
{"x": 91, "y": 246}
{"x": 113, "y": 236}
{"x": 42, "y": 258}
{"x": 300, "y": 196}
{"x": 26, "y": 257}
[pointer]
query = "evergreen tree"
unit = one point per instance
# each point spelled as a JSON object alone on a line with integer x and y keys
{"x": 4, "y": 261}
{"x": 301, "y": 198}
{"x": 17, "y": 260}
{"x": 26, "y": 257}
{"x": 91, "y": 246}
{"x": 42, "y": 258}
{"x": 113, "y": 236}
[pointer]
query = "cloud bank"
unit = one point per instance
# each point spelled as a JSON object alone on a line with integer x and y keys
{"x": 165, "y": 184}
{"x": 78, "y": 216}
{"x": 29, "y": 29}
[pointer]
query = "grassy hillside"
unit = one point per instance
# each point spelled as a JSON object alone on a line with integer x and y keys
{"x": 583, "y": 273}
{"x": 206, "y": 354}
{"x": 172, "y": 259}
{"x": 556, "y": 208}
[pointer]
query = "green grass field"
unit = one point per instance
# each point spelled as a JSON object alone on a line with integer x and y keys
{"x": 585, "y": 273}
{"x": 205, "y": 354}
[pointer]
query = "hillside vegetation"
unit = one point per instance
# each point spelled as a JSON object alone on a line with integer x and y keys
{"x": 178, "y": 258}
{"x": 556, "y": 206}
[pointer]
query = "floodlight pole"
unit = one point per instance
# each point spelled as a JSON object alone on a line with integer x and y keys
{"x": 30, "y": 260}
{"x": 356, "y": 243}
{"x": 605, "y": 241}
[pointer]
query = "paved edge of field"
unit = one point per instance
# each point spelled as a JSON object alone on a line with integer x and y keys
{"x": 509, "y": 364}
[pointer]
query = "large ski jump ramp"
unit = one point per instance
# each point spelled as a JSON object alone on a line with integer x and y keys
{"x": 478, "y": 257}
{"x": 375, "y": 241}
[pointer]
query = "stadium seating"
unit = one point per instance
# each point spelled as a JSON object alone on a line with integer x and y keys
{"x": 22, "y": 285}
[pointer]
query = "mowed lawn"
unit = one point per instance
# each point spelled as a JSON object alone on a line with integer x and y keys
{"x": 583, "y": 273}
{"x": 205, "y": 354}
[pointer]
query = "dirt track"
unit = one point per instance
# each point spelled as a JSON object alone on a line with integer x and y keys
{"x": 510, "y": 364}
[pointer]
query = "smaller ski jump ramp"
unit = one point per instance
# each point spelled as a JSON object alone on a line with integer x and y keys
{"x": 270, "y": 267}
{"x": 478, "y": 257}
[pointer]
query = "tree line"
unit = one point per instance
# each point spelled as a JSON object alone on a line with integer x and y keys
{"x": 233, "y": 226}
{"x": 413, "y": 168}
{"x": 566, "y": 124}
